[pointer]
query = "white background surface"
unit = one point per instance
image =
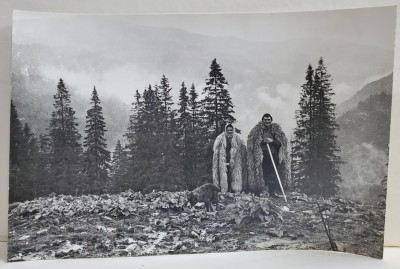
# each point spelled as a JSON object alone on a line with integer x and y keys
{"x": 263, "y": 259}
{"x": 277, "y": 259}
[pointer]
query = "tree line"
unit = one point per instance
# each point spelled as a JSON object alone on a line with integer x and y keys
{"x": 166, "y": 147}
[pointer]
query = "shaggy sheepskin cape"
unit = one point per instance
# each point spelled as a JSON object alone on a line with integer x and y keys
{"x": 237, "y": 164}
{"x": 255, "y": 157}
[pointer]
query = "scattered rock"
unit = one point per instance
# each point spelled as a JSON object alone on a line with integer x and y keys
{"x": 147, "y": 229}
{"x": 43, "y": 231}
{"x": 131, "y": 248}
{"x": 68, "y": 249}
{"x": 274, "y": 233}
{"x": 24, "y": 237}
{"x": 308, "y": 212}
{"x": 193, "y": 234}
{"x": 162, "y": 222}
{"x": 17, "y": 258}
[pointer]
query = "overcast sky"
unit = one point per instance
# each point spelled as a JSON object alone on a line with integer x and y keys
{"x": 372, "y": 27}
{"x": 368, "y": 26}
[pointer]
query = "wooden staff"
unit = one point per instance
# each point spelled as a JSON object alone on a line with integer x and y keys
{"x": 276, "y": 172}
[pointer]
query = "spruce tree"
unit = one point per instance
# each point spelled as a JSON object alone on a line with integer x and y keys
{"x": 29, "y": 165}
{"x": 327, "y": 159}
{"x": 218, "y": 106}
{"x": 96, "y": 155}
{"x": 302, "y": 145}
{"x": 185, "y": 135}
{"x": 44, "y": 165}
{"x": 133, "y": 161}
{"x": 119, "y": 169}
{"x": 199, "y": 141}
{"x": 315, "y": 152}
{"x": 66, "y": 149}
{"x": 16, "y": 135}
{"x": 166, "y": 105}
{"x": 217, "y": 111}
{"x": 24, "y": 158}
{"x": 194, "y": 107}
{"x": 170, "y": 170}
{"x": 149, "y": 148}
{"x": 16, "y": 149}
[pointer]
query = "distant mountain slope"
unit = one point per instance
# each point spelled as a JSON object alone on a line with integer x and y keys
{"x": 33, "y": 97}
{"x": 382, "y": 85}
{"x": 262, "y": 76}
{"x": 363, "y": 138}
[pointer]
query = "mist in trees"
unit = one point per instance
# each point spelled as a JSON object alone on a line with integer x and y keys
{"x": 166, "y": 145}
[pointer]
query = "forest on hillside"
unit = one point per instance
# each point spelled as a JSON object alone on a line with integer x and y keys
{"x": 168, "y": 146}
{"x": 136, "y": 198}
{"x": 177, "y": 133}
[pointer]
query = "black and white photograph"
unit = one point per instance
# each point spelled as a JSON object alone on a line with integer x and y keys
{"x": 161, "y": 134}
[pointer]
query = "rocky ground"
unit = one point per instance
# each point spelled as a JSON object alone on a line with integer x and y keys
{"x": 132, "y": 224}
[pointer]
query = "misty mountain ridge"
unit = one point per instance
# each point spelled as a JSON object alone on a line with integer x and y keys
{"x": 384, "y": 85}
{"x": 126, "y": 57}
{"x": 170, "y": 50}
{"x": 33, "y": 96}
{"x": 364, "y": 138}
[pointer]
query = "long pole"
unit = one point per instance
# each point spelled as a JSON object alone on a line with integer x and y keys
{"x": 276, "y": 172}
{"x": 327, "y": 230}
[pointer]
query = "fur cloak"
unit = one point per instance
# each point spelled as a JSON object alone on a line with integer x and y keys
{"x": 237, "y": 163}
{"x": 255, "y": 157}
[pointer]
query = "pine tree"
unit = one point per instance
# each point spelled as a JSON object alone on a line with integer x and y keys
{"x": 119, "y": 169}
{"x": 133, "y": 161}
{"x": 185, "y": 135}
{"x": 44, "y": 165}
{"x": 166, "y": 105}
{"x": 24, "y": 158}
{"x": 199, "y": 142}
{"x": 194, "y": 107}
{"x": 315, "y": 152}
{"x": 303, "y": 147}
{"x": 217, "y": 111}
{"x": 16, "y": 135}
{"x": 66, "y": 149}
{"x": 143, "y": 140}
{"x": 218, "y": 106}
{"x": 328, "y": 160}
{"x": 29, "y": 165}
{"x": 149, "y": 136}
{"x": 152, "y": 141}
{"x": 170, "y": 170}
{"x": 96, "y": 155}
{"x": 16, "y": 138}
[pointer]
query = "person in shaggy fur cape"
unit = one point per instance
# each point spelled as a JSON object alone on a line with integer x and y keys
{"x": 261, "y": 173}
{"x": 229, "y": 162}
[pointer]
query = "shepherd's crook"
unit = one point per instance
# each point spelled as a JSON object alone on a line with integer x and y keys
{"x": 276, "y": 172}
